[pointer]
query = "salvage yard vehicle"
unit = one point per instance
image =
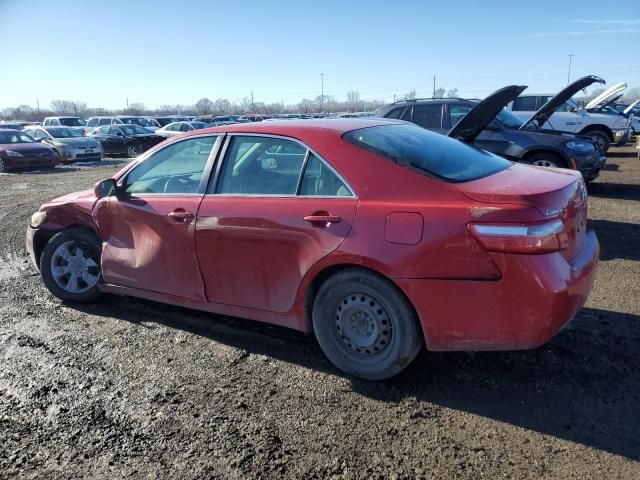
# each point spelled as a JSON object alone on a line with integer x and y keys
{"x": 559, "y": 112}
{"x": 486, "y": 124}
{"x": 71, "y": 143}
{"x": 18, "y": 150}
{"x": 376, "y": 235}
{"x": 64, "y": 122}
{"x": 177, "y": 128}
{"x": 128, "y": 140}
{"x": 611, "y": 108}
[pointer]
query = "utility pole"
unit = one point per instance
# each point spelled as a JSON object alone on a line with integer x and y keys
{"x": 569, "y": 72}
{"x": 394, "y": 98}
{"x": 434, "y": 86}
{"x": 127, "y": 98}
{"x": 321, "y": 92}
{"x": 253, "y": 110}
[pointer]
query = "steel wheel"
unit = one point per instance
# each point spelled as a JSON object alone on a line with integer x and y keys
{"x": 132, "y": 151}
{"x": 74, "y": 267}
{"x": 363, "y": 324}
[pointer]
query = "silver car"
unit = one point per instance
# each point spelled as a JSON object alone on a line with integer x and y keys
{"x": 177, "y": 128}
{"x": 71, "y": 143}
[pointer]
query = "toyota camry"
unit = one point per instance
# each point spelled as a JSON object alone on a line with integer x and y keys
{"x": 375, "y": 235}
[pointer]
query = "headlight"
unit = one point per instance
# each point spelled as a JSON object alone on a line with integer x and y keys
{"x": 38, "y": 219}
{"x": 620, "y": 123}
{"x": 11, "y": 153}
{"x": 580, "y": 146}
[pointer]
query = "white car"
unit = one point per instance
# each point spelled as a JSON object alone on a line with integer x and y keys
{"x": 177, "y": 128}
{"x": 560, "y": 112}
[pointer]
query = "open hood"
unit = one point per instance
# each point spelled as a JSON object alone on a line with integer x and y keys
{"x": 545, "y": 111}
{"x": 630, "y": 107}
{"x": 605, "y": 96}
{"x": 475, "y": 121}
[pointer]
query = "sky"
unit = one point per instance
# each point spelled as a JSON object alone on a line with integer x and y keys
{"x": 175, "y": 52}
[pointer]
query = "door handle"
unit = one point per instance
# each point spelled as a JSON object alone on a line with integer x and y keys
{"x": 327, "y": 219}
{"x": 180, "y": 215}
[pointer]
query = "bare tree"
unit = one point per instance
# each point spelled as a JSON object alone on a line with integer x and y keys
{"x": 453, "y": 92}
{"x": 353, "y": 100}
{"x": 222, "y": 106}
{"x": 411, "y": 95}
{"x": 204, "y": 106}
{"x": 439, "y": 93}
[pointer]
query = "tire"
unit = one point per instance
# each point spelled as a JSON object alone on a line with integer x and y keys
{"x": 544, "y": 159}
{"x": 365, "y": 326}
{"x": 2, "y": 168}
{"x": 132, "y": 151}
{"x": 601, "y": 140}
{"x": 60, "y": 261}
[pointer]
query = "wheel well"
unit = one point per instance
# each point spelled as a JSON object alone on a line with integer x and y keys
{"x": 532, "y": 153}
{"x": 43, "y": 236}
{"x": 598, "y": 128}
{"x": 328, "y": 272}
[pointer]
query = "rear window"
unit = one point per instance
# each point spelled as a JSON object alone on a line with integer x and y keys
{"x": 428, "y": 152}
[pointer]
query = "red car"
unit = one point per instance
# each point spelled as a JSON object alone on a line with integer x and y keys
{"x": 376, "y": 235}
{"x": 18, "y": 150}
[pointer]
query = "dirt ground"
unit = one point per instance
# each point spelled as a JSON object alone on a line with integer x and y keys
{"x": 130, "y": 388}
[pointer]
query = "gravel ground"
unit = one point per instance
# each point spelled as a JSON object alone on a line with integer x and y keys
{"x": 130, "y": 388}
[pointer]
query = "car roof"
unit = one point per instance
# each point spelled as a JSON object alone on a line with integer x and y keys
{"x": 288, "y": 127}
{"x": 10, "y": 130}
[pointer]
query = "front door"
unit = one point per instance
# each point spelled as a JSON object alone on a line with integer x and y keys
{"x": 267, "y": 220}
{"x": 148, "y": 228}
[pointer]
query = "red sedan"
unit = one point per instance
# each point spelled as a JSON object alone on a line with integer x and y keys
{"x": 376, "y": 235}
{"x": 18, "y": 150}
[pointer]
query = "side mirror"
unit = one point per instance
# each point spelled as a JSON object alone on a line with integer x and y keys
{"x": 105, "y": 188}
{"x": 119, "y": 134}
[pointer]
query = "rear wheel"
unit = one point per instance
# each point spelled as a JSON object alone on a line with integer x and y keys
{"x": 70, "y": 265}
{"x": 2, "y": 169}
{"x": 600, "y": 139}
{"x": 544, "y": 159}
{"x": 365, "y": 326}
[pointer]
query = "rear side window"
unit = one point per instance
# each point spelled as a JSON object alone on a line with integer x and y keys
{"x": 320, "y": 180}
{"x": 428, "y": 116}
{"x": 104, "y": 121}
{"x": 456, "y": 112}
{"x": 427, "y": 152}
{"x": 93, "y": 122}
{"x": 524, "y": 104}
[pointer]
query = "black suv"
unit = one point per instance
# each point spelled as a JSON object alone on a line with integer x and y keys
{"x": 487, "y": 125}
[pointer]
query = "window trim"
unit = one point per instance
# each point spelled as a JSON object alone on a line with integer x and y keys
{"x": 206, "y": 172}
{"x": 212, "y": 186}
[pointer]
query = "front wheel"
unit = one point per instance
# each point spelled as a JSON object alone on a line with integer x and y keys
{"x": 70, "y": 265}
{"x": 2, "y": 168}
{"x": 365, "y": 326}
{"x": 544, "y": 160}
{"x": 600, "y": 140}
{"x": 132, "y": 151}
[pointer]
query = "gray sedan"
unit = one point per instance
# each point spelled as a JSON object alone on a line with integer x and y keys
{"x": 71, "y": 143}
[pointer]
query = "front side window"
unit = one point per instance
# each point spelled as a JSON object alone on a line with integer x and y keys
{"x": 103, "y": 130}
{"x": 320, "y": 180}
{"x": 105, "y": 121}
{"x": 261, "y": 165}
{"x": 176, "y": 169}
{"x": 427, "y": 152}
{"x": 428, "y": 116}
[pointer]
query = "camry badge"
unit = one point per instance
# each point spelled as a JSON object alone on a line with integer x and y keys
{"x": 554, "y": 211}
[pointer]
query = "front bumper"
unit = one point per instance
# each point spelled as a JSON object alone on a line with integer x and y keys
{"x": 536, "y": 296}
{"x": 30, "y": 241}
{"x": 83, "y": 155}
{"x": 30, "y": 161}
{"x": 589, "y": 165}
{"x": 621, "y": 135}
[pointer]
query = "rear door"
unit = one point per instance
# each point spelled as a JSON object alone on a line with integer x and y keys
{"x": 273, "y": 210}
{"x": 148, "y": 229}
{"x": 429, "y": 116}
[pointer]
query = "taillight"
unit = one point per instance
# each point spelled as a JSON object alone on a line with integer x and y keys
{"x": 534, "y": 238}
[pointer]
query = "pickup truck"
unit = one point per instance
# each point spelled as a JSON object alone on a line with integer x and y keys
{"x": 560, "y": 112}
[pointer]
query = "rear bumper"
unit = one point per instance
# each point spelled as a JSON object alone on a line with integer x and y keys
{"x": 536, "y": 296}
{"x": 30, "y": 241}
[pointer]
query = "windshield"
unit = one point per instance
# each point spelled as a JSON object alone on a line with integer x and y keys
{"x": 428, "y": 152}
{"x": 134, "y": 130}
{"x": 15, "y": 137}
{"x": 72, "y": 122}
{"x": 65, "y": 132}
{"x": 508, "y": 119}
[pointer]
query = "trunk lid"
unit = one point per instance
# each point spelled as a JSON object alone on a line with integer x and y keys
{"x": 544, "y": 112}
{"x": 630, "y": 107}
{"x": 556, "y": 193}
